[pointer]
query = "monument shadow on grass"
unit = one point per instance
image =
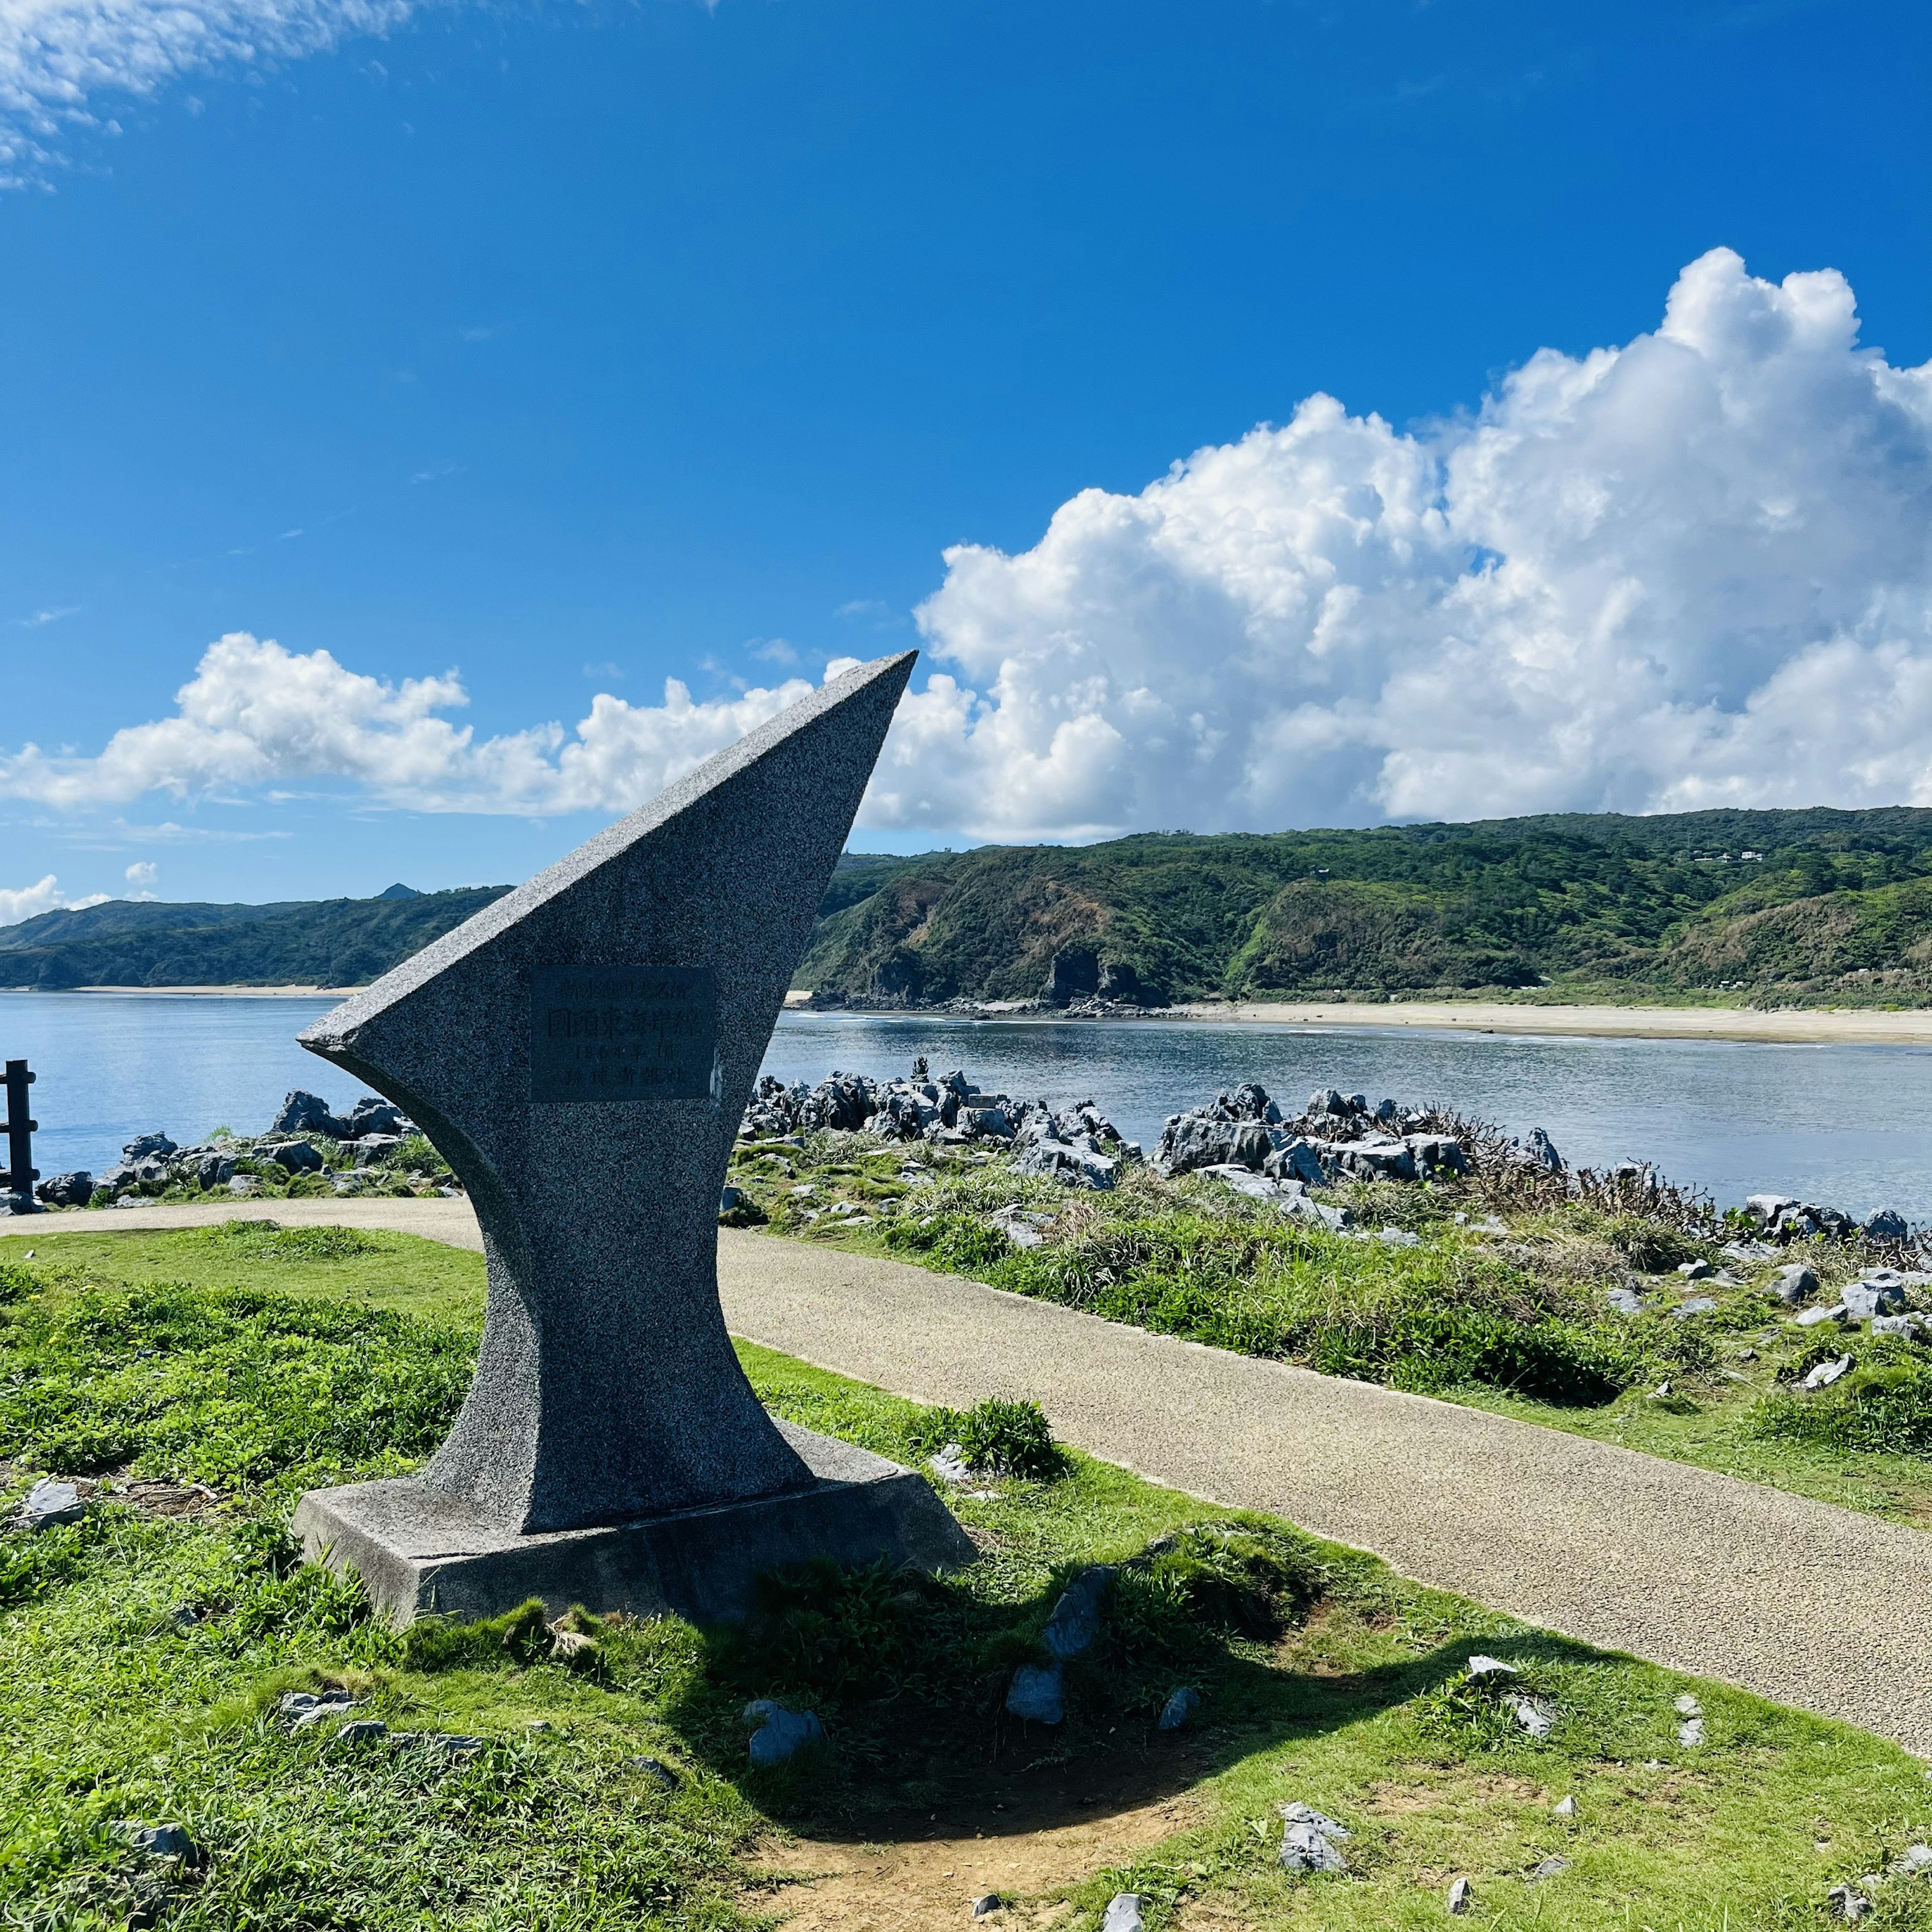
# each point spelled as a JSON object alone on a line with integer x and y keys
{"x": 900, "y": 1767}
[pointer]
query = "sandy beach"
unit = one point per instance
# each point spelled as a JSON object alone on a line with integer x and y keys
{"x": 1810, "y": 1028}
{"x": 226, "y": 992}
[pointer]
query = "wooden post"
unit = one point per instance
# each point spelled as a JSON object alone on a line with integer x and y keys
{"x": 21, "y": 1173}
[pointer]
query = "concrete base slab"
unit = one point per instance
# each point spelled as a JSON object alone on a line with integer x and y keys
{"x": 419, "y": 1550}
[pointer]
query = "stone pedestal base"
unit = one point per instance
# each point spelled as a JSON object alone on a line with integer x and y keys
{"x": 418, "y": 1549}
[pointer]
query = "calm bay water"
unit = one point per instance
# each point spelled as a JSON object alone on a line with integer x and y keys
{"x": 1851, "y": 1125}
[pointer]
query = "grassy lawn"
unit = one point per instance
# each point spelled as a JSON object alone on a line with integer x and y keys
{"x": 364, "y": 1267}
{"x": 1506, "y": 1312}
{"x": 144, "y": 1655}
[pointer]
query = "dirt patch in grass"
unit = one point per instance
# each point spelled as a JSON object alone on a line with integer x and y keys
{"x": 1395, "y": 1801}
{"x": 1051, "y": 1833}
{"x": 147, "y": 1497}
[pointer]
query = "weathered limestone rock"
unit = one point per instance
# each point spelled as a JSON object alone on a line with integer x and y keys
{"x": 305, "y": 1113}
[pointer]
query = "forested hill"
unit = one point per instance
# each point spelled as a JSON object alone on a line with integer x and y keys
{"x": 148, "y": 943}
{"x": 1831, "y": 907}
{"x": 1812, "y": 906}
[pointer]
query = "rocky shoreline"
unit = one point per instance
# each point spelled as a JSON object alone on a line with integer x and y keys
{"x": 306, "y": 1151}
{"x": 1243, "y": 1139}
{"x": 1076, "y": 1143}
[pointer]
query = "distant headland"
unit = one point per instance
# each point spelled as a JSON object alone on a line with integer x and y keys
{"x": 1704, "y": 913}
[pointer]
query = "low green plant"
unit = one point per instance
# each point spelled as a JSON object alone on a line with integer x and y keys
{"x": 1467, "y": 1715}
{"x": 1652, "y": 1245}
{"x": 416, "y": 1154}
{"x": 269, "y": 1241}
{"x": 1424, "y": 1318}
{"x": 1883, "y": 1403}
{"x": 820, "y": 1632}
{"x": 520, "y": 1636}
{"x": 995, "y": 1437}
{"x": 30, "y": 1565}
{"x": 1239, "y": 1577}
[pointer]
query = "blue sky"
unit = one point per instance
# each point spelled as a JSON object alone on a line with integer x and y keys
{"x": 571, "y": 348}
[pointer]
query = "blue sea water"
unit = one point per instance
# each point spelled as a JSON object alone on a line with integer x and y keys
{"x": 1850, "y": 1125}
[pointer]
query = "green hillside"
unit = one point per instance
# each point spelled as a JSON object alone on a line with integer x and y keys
{"x": 1831, "y": 907}
{"x": 147, "y": 942}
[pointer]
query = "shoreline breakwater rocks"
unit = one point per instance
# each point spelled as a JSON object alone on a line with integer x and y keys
{"x": 1336, "y": 1138}
{"x": 304, "y": 1143}
{"x": 1076, "y": 1144}
{"x": 1243, "y": 1140}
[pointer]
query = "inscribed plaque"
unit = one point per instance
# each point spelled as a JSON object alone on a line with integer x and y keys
{"x": 623, "y": 1032}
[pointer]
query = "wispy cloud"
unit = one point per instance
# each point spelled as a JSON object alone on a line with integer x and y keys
{"x": 52, "y": 616}
{"x": 772, "y": 650}
{"x": 63, "y": 63}
{"x": 119, "y": 833}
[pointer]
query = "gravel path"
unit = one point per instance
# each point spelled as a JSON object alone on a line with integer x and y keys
{"x": 1795, "y": 1599}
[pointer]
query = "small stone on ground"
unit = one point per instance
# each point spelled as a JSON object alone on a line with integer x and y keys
{"x": 1178, "y": 1708}
{"x": 780, "y": 1735}
{"x": 49, "y": 1503}
{"x": 1826, "y": 1373}
{"x": 1037, "y": 1695}
{"x": 160, "y": 1841}
{"x": 1535, "y": 1716}
{"x": 1305, "y": 1849}
{"x": 1299, "y": 1813}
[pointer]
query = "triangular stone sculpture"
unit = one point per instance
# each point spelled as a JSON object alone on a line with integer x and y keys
{"x": 581, "y": 1053}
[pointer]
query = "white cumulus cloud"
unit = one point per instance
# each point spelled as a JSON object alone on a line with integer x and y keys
{"x": 26, "y": 901}
{"x": 255, "y": 715}
{"x": 1692, "y": 571}
{"x": 64, "y": 62}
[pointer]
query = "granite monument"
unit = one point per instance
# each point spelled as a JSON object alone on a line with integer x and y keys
{"x": 581, "y": 1052}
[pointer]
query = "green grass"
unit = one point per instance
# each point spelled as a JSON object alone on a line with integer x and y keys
{"x": 1516, "y": 1323}
{"x": 1325, "y": 1678}
{"x": 233, "y": 1387}
{"x": 356, "y": 1266}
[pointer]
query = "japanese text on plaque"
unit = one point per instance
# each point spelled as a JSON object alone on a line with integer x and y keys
{"x": 621, "y": 1032}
